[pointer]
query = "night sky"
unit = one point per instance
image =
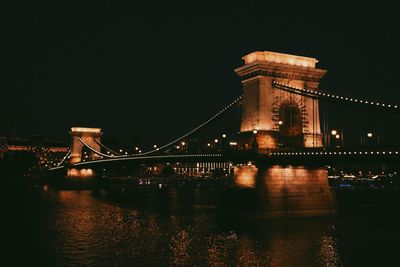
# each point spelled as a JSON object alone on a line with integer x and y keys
{"x": 154, "y": 71}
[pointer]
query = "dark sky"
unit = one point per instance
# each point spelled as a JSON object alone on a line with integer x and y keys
{"x": 155, "y": 71}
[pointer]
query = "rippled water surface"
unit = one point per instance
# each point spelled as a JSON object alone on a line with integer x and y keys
{"x": 43, "y": 226}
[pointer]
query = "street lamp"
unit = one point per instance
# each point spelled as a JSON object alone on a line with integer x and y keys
{"x": 370, "y": 137}
{"x": 223, "y": 135}
{"x": 336, "y": 135}
{"x": 255, "y": 131}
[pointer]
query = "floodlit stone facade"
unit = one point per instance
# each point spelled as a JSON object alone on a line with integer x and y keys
{"x": 90, "y": 136}
{"x": 272, "y": 117}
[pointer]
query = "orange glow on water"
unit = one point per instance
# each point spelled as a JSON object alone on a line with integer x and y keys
{"x": 289, "y": 191}
{"x": 246, "y": 176}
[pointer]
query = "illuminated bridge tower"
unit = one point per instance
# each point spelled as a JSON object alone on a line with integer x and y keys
{"x": 89, "y": 136}
{"x": 273, "y": 118}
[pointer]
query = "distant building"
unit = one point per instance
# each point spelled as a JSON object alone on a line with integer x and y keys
{"x": 47, "y": 153}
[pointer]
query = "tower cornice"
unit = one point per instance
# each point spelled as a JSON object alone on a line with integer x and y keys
{"x": 272, "y": 69}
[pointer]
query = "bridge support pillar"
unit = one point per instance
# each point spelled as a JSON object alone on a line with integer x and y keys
{"x": 288, "y": 192}
{"x": 80, "y": 173}
{"x": 271, "y": 116}
{"x": 91, "y": 137}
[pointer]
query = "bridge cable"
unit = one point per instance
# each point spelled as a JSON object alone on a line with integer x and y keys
{"x": 193, "y": 130}
{"x": 108, "y": 149}
{"x": 326, "y": 94}
{"x": 65, "y": 157}
{"x": 95, "y": 151}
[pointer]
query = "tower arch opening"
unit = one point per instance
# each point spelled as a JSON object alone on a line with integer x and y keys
{"x": 290, "y": 125}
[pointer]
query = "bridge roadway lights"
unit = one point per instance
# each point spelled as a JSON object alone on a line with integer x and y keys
{"x": 335, "y": 153}
{"x": 265, "y": 107}
{"x": 318, "y": 157}
{"x": 90, "y": 136}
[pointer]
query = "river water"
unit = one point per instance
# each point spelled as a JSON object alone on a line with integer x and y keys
{"x": 45, "y": 226}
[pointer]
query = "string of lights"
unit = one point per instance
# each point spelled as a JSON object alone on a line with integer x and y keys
{"x": 95, "y": 151}
{"x": 65, "y": 157}
{"x": 106, "y": 148}
{"x": 336, "y": 153}
{"x": 337, "y": 97}
{"x": 149, "y": 157}
{"x": 140, "y": 155}
{"x": 193, "y": 130}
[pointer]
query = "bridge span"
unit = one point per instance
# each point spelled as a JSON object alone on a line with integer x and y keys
{"x": 299, "y": 157}
{"x": 280, "y": 125}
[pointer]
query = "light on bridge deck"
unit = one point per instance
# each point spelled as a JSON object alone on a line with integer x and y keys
{"x": 335, "y": 153}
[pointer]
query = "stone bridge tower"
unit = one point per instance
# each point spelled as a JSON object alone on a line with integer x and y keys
{"x": 273, "y": 118}
{"x": 91, "y": 137}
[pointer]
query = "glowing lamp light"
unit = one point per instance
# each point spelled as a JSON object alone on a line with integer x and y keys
{"x": 280, "y": 122}
{"x": 183, "y": 143}
{"x": 337, "y": 136}
{"x": 224, "y": 136}
{"x": 255, "y": 131}
{"x": 208, "y": 144}
{"x": 155, "y": 146}
{"x": 216, "y": 141}
{"x": 369, "y": 135}
{"x": 334, "y": 132}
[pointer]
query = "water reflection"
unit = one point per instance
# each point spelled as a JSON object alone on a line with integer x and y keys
{"x": 87, "y": 229}
{"x": 329, "y": 255}
{"x": 180, "y": 247}
{"x": 185, "y": 228}
{"x": 246, "y": 176}
{"x": 289, "y": 191}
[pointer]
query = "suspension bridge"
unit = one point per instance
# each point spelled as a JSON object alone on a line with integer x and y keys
{"x": 280, "y": 123}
